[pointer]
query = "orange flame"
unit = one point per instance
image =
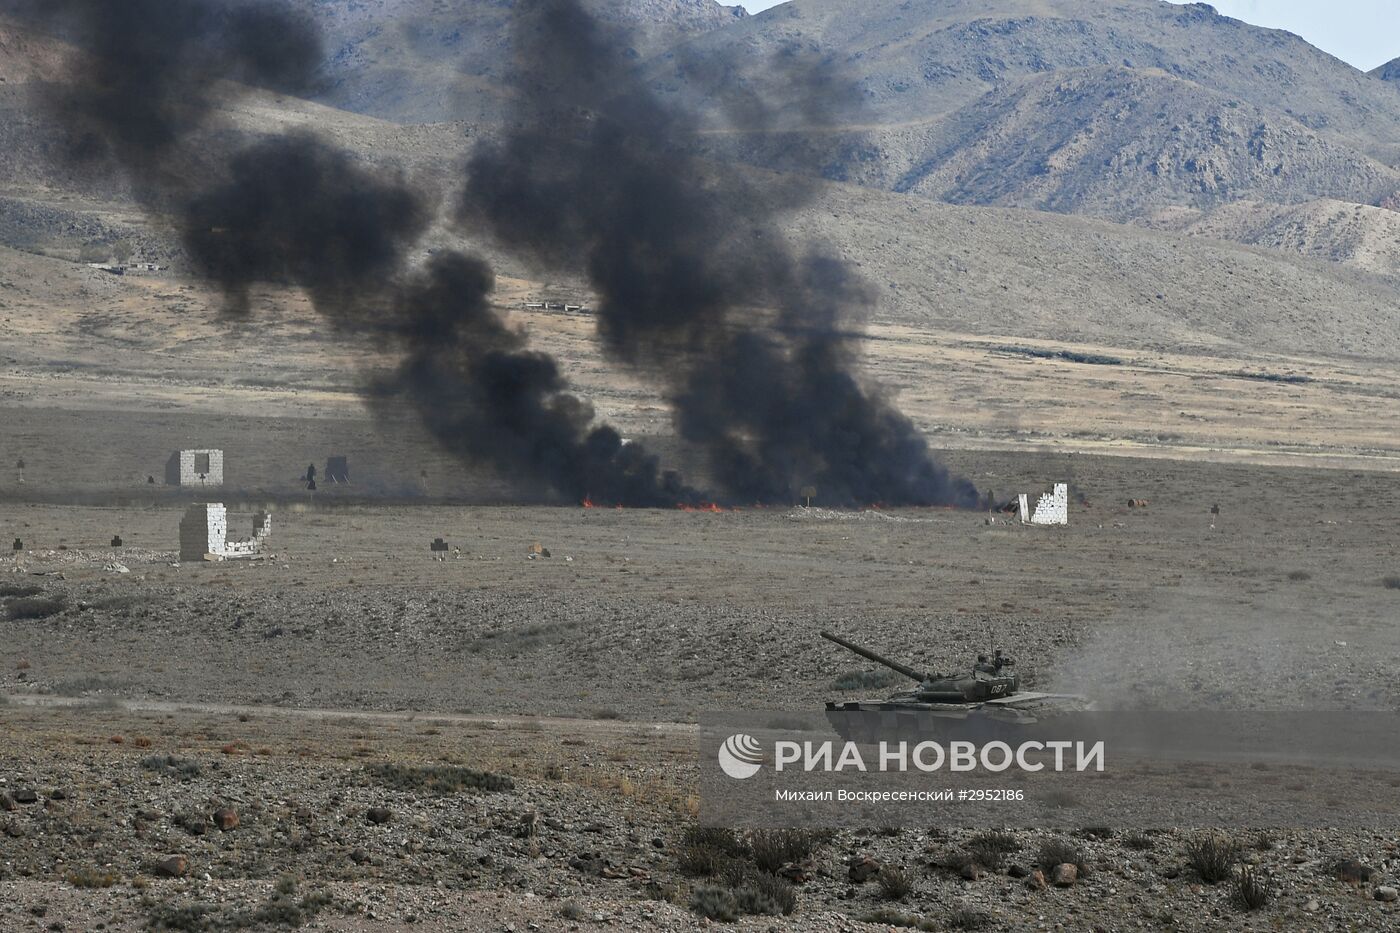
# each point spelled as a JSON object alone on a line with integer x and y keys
{"x": 704, "y": 507}
{"x": 588, "y": 503}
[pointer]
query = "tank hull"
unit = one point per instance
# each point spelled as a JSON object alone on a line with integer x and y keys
{"x": 1019, "y": 717}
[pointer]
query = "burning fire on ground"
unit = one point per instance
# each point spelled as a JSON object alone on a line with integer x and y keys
{"x": 715, "y": 507}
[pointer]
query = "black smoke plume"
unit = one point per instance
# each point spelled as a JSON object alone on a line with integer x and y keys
{"x": 293, "y": 209}
{"x": 296, "y": 210}
{"x": 475, "y": 383}
{"x": 698, "y": 285}
{"x": 145, "y": 74}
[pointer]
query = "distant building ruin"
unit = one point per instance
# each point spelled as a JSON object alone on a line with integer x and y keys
{"x": 116, "y": 268}
{"x": 1052, "y": 508}
{"x": 195, "y": 468}
{"x": 550, "y": 305}
{"x": 204, "y": 534}
{"x": 337, "y": 469}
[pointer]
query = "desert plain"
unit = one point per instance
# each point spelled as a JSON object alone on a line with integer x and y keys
{"x": 351, "y": 698}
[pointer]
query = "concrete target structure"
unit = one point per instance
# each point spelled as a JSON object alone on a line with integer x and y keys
{"x": 201, "y": 467}
{"x": 1052, "y": 508}
{"x": 204, "y": 534}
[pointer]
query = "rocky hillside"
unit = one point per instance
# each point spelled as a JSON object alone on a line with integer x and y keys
{"x": 1390, "y": 71}
{"x": 427, "y": 61}
{"x": 916, "y": 60}
{"x": 24, "y": 55}
{"x": 1125, "y": 110}
{"x": 1355, "y": 235}
{"x": 1030, "y": 122}
{"x": 1111, "y": 142}
{"x": 1121, "y": 143}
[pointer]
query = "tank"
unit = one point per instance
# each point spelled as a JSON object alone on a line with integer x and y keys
{"x": 983, "y": 702}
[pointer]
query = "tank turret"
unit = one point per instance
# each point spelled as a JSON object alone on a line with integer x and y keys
{"x": 986, "y": 680}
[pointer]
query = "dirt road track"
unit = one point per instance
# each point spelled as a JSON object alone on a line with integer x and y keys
{"x": 552, "y": 723}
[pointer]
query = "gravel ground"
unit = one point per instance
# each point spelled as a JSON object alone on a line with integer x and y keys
{"x": 641, "y": 618}
{"x": 341, "y": 824}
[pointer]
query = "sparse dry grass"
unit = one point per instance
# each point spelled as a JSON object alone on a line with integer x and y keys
{"x": 990, "y": 849}
{"x": 1254, "y": 888}
{"x": 28, "y": 608}
{"x": 774, "y": 848}
{"x": 895, "y": 883}
{"x": 1060, "y": 852}
{"x": 88, "y": 877}
{"x": 436, "y": 779}
{"x": 1213, "y": 857}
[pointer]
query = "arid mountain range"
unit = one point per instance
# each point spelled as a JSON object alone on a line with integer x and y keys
{"x": 433, "y": 61}
{"x": 1128, "y": 172}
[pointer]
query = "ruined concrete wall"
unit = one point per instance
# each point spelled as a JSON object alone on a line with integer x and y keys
{"x": 262, "y": 528}
{"x": 204, "y": 530}
{"x": 1053, "y": 507}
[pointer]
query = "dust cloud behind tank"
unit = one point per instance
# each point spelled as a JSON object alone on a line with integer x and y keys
{"x": 984, "y": 701}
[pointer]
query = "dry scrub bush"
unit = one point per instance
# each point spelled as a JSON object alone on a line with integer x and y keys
{"x": 774, "y": 848}
{"x": 170, "y": 766}
{"x": 705, "y": 851}
{"x": 714, "y": 903}
{"x": 968, "y": 919}
{"x": 92, "y": 878}
{"x": 438, "y": 779}
{"x": 740, "y": 885}
{"x": 33, "y": 607}
{"x": 989, "y": 849}
{"x": 1060, "y": 852}
{"x": 1253, "y": 887}
{"x": 895, "y": 883}
{"x": 1213, "y": 857}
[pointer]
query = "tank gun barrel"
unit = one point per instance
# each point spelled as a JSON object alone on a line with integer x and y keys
{"x": 872, "y": 656}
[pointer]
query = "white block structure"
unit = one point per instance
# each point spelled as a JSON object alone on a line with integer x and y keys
{"x": 1052, "y": 508}
{"x": 204, "y": 534}
{"x": 195, "y": 468}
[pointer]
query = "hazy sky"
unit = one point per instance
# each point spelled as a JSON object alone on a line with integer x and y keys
{"x": 1358, "y": 31}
